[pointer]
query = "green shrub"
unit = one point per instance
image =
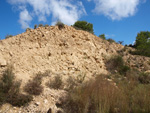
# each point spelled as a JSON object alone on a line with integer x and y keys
{"x": 123, "y": 70}
{"x": 102, "y": 36}
{"x": 140, "y": 52}
{"x": 28, "y": 29}
{"x": 15, "y": 98}
{"x": 60, "y": 25}
{"x": 46, "y": 25}
{"x": 84, "y": 26}
{"x": 7, "y": 80}
{"x": 56, "y": 83}
{"x": 74, "y": 82}
{"x": 120, "y": 42}
{"x": 40, "y": 25}
{"x": 80, "y": 78}
{"x": 8, "y": 36}
{"x": 10, "y": 90}
{"x": 144, "y": 78}
{"x": 142, "y": 44}
{"x": 3, "y": 98}
{"x": 71, "y": 83}
{"x": 35, "y": 26}
{"x": 116, "y": 64}
{"x": 110, "y": 40}
{"x": 19, "y": 99}
{"x": 34, "y": 87}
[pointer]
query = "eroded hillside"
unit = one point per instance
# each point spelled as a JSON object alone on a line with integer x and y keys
{"x": 66, "y": 52}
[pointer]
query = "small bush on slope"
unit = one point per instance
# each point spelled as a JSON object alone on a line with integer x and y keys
{"x": 144, "y": 78}
{"x": 110, "y": 40}
{"x": 8, "y": 36}
{"x": 116, "y": 64}
{"x": 73, "y": 82}
{"x": 102, "y": 36}
{"x": 60, "y": 25}
{"x": 40, "y": 25}
{"x": 34, "y": 87}
{"x": 46, "y": 25}
{"x": 28, "y": 29}
{"x": 56, "y": 83}
{"x": 10, "y": 90}
{"x": 35, "y": 26}
{"x": 83, "y": 25}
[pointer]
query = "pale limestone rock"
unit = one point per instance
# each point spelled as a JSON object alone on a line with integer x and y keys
{"x": 3, "y": 62}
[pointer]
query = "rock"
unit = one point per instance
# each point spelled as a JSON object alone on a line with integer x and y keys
{"x": 3, "y": 62}
{"x": 15, "y": 108}
{"x": 37, "y": 103}
{"x": 110, "y": 80}
{"x": 45, "y": 101}
{"x": 147, "y": 72}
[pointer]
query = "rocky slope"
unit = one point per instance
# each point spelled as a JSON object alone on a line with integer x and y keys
{"x": 67, "y": 52}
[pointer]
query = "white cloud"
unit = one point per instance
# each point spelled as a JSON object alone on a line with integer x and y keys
{"x": 110, "y": 35}
{"x": 25, "y": 19}
{"x": 116, "y": 9}
{"x": 67, "y": 11}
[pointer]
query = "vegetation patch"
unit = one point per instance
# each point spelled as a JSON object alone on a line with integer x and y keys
{"x": 142, "y": 44}
{"x": 97, "y": 96}
{"x": 60, "y": 25}
{"x": 116, "y": 64}
{"x": 144, "y": 78}
{"x": 8, "y": 36}
{"x": 46, "y": 25}
{"x": 102, "y": 96}
{"x": 110, "y": 40}
{"x": 35, "y": 26}
{"x": 10, "y": 90}
{"x": 34, "y": 87}
{"x": 83, "y": 25}
{"x": 28, "y": 29}
{"x": 74, "y": 82}
{"x": 56, "y": 83}
{"x": 40, "y": 25}
{"x": 102, "y": 36}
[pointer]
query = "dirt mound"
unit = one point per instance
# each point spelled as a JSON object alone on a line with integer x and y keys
{"x": 65, "y": 52}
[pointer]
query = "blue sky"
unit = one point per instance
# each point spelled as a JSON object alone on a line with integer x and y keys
{"x": 117, "y": 19}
